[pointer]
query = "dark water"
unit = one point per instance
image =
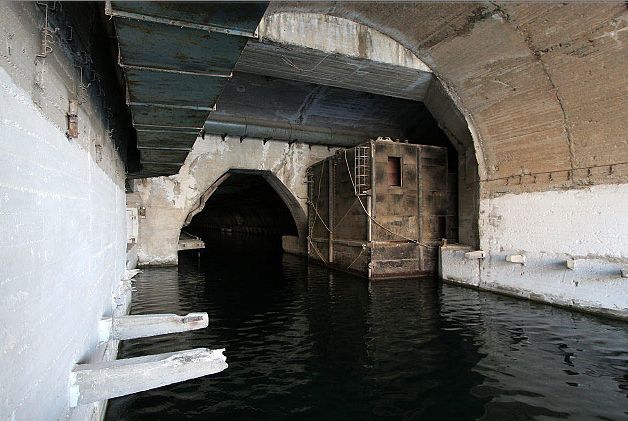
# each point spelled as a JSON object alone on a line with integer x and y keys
{"x": 305, "y": 343}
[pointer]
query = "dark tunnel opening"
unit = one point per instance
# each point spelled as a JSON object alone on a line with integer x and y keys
{"x": 244, "y": 214}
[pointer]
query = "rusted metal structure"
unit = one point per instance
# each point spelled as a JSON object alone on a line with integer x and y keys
{"x": 177, "y": 57}
{"x": 381, "y": 209}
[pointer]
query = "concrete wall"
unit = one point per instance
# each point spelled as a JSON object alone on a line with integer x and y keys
{"x": 585, "y": 225}
{"x": 169, "y": 200}
{"x": 453, "y": 123}
{"x": 62, "y": 226}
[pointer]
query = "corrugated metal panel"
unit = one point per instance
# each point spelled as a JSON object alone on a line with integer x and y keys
{"x": 231, "y": 16}
{"x": 159, "y": 155}
{"x": 157, "y": 169}
{"x": 171, "y": 47}
{"x": 164, "y": 116}
{"x": 149, "y": 87}
{"x": 315, "y": 66}
{"x": 161, "y": 139}
{"x": 177, "y": 58}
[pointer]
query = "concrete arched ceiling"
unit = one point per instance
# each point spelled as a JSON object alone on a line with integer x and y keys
{"x": 544, "y": 85}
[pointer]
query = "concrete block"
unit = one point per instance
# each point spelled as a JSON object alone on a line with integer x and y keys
{"x": 477, "y": 254}
{"x": 141, "y": 326}
{"x": 455, "y": 267}
{"x": 63, "y": 231}
{"x": 624, "y": 273}
{"x": 516, "y": 258}
{"x": 95, "y": 382}
{"x": 571, "y": 264}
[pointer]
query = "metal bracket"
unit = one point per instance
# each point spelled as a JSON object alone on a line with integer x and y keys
{"x": 172, "y": 106}
{"x": 47, "y": 34}
{"x": 175, "y": 71}
{"x": 73, "y": 131}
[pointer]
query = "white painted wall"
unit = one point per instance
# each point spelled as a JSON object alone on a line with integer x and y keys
{"x": 588, "y": 225}
{"x": 62, "y": 229}
{"x": 588, "y": 222}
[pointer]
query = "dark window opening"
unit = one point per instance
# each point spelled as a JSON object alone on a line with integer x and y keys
{"x": 394, "y": 171}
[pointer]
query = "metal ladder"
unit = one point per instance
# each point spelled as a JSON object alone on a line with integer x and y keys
{"x": 310, "y": 198}
{"x": 362, "y": 169}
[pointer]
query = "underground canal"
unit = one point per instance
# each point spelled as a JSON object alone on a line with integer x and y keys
{"x": 307, "y": 343}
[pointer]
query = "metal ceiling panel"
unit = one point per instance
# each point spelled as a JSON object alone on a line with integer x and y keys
{"x": 237, "y": 17}
{"x": 166, "y": 116}
{"x": 165, "y": 139}
{"x": 169, "y": 47}
{"x": 148, "y": 87}
{"x": 157, "y": 169}
{"x": 177, "y": 58}
{"x": 315, "y": 66}
{"x": 157, "y": 155}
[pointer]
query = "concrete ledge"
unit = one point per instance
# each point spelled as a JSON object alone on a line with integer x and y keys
{"x": 456, "y": 267}
{"x": 144, "y": 325}
{"x": 594, "y": 286}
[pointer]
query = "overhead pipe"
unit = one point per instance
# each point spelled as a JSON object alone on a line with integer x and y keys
{"x": 288, "y": 132}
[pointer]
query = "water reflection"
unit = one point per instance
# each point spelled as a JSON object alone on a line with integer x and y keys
{"x": 304, "y": 343}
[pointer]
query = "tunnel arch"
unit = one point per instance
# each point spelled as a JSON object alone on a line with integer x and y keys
{"x": 283, "y": 192}
{"x": 515, "y": 71}
{"x": 355, "y": 35}
{"x": 349, "y": 34}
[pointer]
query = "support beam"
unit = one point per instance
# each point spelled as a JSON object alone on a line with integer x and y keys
{"x": 178, "y": 72}
{"x": 477, "y": 254}
{"x": 173, "y": 106}
{"x": 141, "y": 326}
{"x": 96, "y": 382}
{"x": 516, "y": 258}
{"x": 110, "y": 11}
{"x": 152, "y": 148}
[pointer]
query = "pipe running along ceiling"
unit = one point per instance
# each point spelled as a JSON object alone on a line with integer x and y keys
{"x": 177, "y": 58}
